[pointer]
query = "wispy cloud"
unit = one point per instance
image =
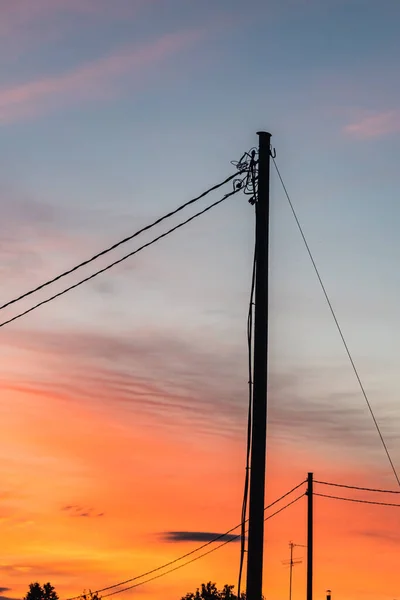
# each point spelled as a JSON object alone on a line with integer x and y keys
{"x": 26, "y": 25}
{"x": 18, "y": 13}
{"x": 388, "y": 537}
{"x": 55, "y": 568}
{"x": 374, "y": 124}
{"x": 32, "y": 233}
{"x": 178, "y": 381}
{"x": 75, "y": 510}
{"x": 25, "y": 222}
{"x": 90, "y": 81}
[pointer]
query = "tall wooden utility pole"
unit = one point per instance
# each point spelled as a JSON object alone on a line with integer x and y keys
{"x": 310, "y": 536}
{"x": 259, "y": 413}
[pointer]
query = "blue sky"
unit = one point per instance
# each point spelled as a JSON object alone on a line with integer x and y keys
{"x": 113, "y": 116}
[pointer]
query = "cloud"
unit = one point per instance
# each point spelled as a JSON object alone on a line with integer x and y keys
{"x": 4, "y": 589}
{"x": 369, "y": 124}
{"x": 26, "y": 25}
{"x": 389, "y": 537}
{"x": 55, "y": 568}
{"x": 197, "y": 536}
{"x": 23, "y": 217}
{"x": 180, "y": 382}
{"x": 157, "y": 374}
{"x": 16, "y": 14}
{"x": 32, "y": 232}
{"x": 74, "y": 510}
{"x": 90, "y": 81}
{"x": 321, "y": 410}
{"x": 38, "y": 239}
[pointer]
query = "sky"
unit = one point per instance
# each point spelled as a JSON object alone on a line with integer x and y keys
{"x": 123, "y": 403}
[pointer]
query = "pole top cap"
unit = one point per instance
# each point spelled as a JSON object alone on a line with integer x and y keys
{"x": 262, "y": 133}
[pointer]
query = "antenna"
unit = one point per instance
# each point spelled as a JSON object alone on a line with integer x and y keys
{"x": 292, "y": 563}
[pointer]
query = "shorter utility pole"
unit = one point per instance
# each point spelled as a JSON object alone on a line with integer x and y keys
{"x": 309, "y": 494}
{"x": 291, "y": 564}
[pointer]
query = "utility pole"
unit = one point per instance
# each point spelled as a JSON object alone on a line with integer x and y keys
{"x": 309, "y": 536}
{"x": 291, "y": 564}
{"x": 259, "y": 412}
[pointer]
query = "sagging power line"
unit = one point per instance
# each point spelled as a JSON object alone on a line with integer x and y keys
{"x": 277, "y": 512}
{"x": 357, "y": 500}
{"x": 120, "y": 260}
{"x": 198, "y": 549}
{"x": 116, "y": 588}
{"x": 125, "y": 240}
{"x": 356, "y": 487}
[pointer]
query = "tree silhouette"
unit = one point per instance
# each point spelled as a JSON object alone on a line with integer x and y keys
{"x": 89, "y": 595}
{"x": 37, "y": 592}
{"x": 209, "y": 591}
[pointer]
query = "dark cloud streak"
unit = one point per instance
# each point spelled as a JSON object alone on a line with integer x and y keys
{"x": 197, "y": 536}
{"x": 74, "y": 510}
{"x": 390, "y": 537}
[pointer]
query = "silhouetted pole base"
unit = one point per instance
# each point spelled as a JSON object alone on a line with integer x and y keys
{"x": 309, "y": 536}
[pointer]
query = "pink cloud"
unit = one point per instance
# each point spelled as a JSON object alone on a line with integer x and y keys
{"x": 25, "y": 23}
{"x": 374, "y": 124}
{"x": 17, "y": 13}
{"x": 89, "y": 81}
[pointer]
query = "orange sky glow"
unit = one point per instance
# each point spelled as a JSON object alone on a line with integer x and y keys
{"x": 133, "y": 480}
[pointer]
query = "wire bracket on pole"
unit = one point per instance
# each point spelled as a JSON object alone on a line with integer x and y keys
{"x": 248, "y": 183}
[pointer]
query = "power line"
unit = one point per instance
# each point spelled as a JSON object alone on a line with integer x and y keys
{"x": 198, "y": 557}
{"x": 249, "y": 420}
{"x": 337, "y": 324}
{"x": 120, "y": 260}
{"x": 356, "y": 500}
{"x": 121, "y": 242}
{"x": 212, "y": 541}
{"x": 355, "y": 487}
